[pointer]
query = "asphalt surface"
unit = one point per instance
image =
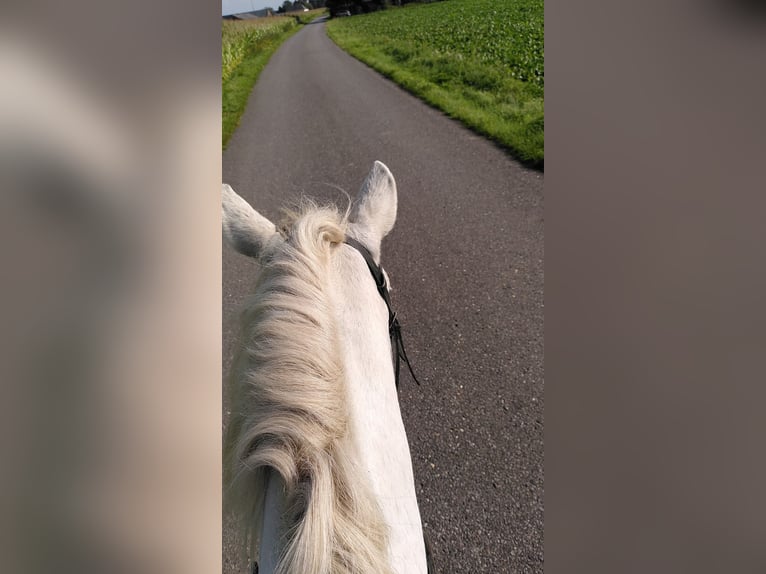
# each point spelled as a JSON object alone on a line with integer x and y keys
{"x": 466, "y": 263}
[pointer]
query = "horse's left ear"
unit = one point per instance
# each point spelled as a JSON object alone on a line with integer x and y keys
{"x": 244, "y": 228}
{"x": 374, "y": 211}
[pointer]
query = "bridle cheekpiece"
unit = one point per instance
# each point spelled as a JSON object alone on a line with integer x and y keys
{"x": 394, "y": 329}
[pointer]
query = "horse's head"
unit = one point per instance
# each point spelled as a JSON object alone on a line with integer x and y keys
{"x": 316, "y": 357}
{"x": 371, "y": 218}
{"x": 316, "y": 446}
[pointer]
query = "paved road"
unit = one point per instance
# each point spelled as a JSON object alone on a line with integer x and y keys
{"x": 466, "y": 262}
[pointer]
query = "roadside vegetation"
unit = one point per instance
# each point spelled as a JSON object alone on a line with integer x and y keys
{"x": 246, "y": 46}
{"x": 311, "y": 15}
{"x": 479, "y": 61}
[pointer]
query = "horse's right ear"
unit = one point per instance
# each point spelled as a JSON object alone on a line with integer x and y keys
{"x": 246, "y": 230}
{"x": 374, "y": 211}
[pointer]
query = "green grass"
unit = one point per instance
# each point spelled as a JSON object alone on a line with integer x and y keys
{"x": 246, "y": 47}
{"x": 479, "y": 61}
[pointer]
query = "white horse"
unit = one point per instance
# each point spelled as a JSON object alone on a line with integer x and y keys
{"x": 318, "y": 466}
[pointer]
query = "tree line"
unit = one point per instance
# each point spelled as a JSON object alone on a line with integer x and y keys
{"x": 353, "y": 6}
{"x": 363, "y": 6}
{"x": 288, "y": 6}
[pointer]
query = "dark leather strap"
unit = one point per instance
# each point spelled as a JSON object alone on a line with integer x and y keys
{"x": 394, "y": 329}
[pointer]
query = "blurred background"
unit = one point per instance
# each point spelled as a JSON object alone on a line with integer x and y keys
{"x": 655, "y": 325}
{"x": 110, "y": 232}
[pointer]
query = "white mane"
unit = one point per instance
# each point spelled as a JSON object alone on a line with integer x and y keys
{"x": 290, "y": 413}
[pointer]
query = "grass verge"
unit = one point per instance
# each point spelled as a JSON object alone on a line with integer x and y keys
{"x": 238, "y": 82}
{"x": 246, "y": 47}
{"x": 415, "y": 48}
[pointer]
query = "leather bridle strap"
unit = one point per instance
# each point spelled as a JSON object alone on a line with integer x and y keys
{"x": 394, "y": 329}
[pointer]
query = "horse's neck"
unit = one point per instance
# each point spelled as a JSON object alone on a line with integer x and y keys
{"x": 376, "y": 422}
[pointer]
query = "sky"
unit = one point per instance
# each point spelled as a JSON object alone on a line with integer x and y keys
{"x": 239, "y": 6}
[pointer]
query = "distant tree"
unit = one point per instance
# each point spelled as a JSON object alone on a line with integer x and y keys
{"x": 356, "y": 6}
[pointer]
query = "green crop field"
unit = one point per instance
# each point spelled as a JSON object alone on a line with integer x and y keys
{"x": 480, "y": 61}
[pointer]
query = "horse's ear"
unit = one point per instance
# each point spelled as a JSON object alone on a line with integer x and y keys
{"x": 246, "y": 230}
{"x": 374, "y": 211}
